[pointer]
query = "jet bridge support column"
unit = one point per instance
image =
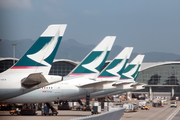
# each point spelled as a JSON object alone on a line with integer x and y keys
{"x": 172, "y": 92}
{"x": 129, "y": 95}
{"x": 150, "y": 93}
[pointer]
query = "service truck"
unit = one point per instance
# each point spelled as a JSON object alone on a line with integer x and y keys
{"x": 173, "y": 103}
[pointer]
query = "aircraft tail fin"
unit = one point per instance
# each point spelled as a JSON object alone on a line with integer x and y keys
{"x": 132, "y": 70}
{"x": 93, "y": 62}
{"x": 115, "y": 68}
{"x": 40, "y": 56}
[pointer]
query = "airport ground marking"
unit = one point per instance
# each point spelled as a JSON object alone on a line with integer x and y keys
{"x": 156, "y": 113}
{"x": 132, "y": 114}
{"x": 173, "y": 114}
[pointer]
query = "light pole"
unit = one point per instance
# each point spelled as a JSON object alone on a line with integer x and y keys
{"x": 14, "y": 45}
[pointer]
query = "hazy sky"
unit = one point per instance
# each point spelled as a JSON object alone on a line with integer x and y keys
{"x": 147, "y": 25}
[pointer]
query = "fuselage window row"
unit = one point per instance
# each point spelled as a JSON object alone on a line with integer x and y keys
{"x": 47, "y": 88}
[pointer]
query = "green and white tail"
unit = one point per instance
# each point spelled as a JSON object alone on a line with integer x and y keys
{"x": 93, "y": 62}
{"x": 130, "y": 73}
{"x": 114, "y": 69}
{"x": 39, "y": 58}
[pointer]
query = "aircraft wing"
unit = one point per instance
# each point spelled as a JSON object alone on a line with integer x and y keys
{"x": 38, "y": 80}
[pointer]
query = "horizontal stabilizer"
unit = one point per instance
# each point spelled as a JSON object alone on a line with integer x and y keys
{"x": 92, "y": 84}
{"x": 138, "y": 84}
{"x": 121, "y": 83}
{"x": 37, "y": 80}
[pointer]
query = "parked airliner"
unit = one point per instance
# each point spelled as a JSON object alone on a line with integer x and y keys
{"x": 31, "y": 71}
{"x": 85, "y": 72}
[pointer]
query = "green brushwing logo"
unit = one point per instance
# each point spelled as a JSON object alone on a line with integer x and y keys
{"x": 39, "y": 47}
{"x": 93, "y": 63}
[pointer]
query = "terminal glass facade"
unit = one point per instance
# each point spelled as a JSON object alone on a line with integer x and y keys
{"x": 61, "y": 68}
{"x": 6, "y": 64}
{"x": 168, "y": 74}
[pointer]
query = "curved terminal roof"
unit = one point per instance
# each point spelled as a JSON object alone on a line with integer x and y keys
{"x": 9, "y": 58}
{"x": 148, "y": 65}
{"x": 66, "y": 60}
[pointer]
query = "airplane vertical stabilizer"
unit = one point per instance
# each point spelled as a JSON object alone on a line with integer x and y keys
{"x": 39, "y": 58}
{"x": 132, "y": 70}
{"x": 93, "y": 62}
{"x": 115, "y": 68}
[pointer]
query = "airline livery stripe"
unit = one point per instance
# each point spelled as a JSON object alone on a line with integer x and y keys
{"x": 25, "y": 67}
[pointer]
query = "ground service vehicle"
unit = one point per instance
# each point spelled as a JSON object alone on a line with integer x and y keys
{"x": 156, "y": 103}
{"x": 130, "y": 107}
{"x": 13, "y": 112}
{"x": 142, "y": 103}
{"x": 145, "y": 108}
{"x": 165, "y": 102}
{"x": 173, "y": 103}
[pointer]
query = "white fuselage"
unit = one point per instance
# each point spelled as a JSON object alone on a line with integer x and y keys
{"x": 59, "y": 91}
{"x": 68, "y": 90}
{"x": 10, "y": 84}
{"x": 108, "y": 89}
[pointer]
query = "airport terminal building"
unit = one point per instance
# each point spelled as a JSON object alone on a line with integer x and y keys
{"x": 162, "y": 78}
